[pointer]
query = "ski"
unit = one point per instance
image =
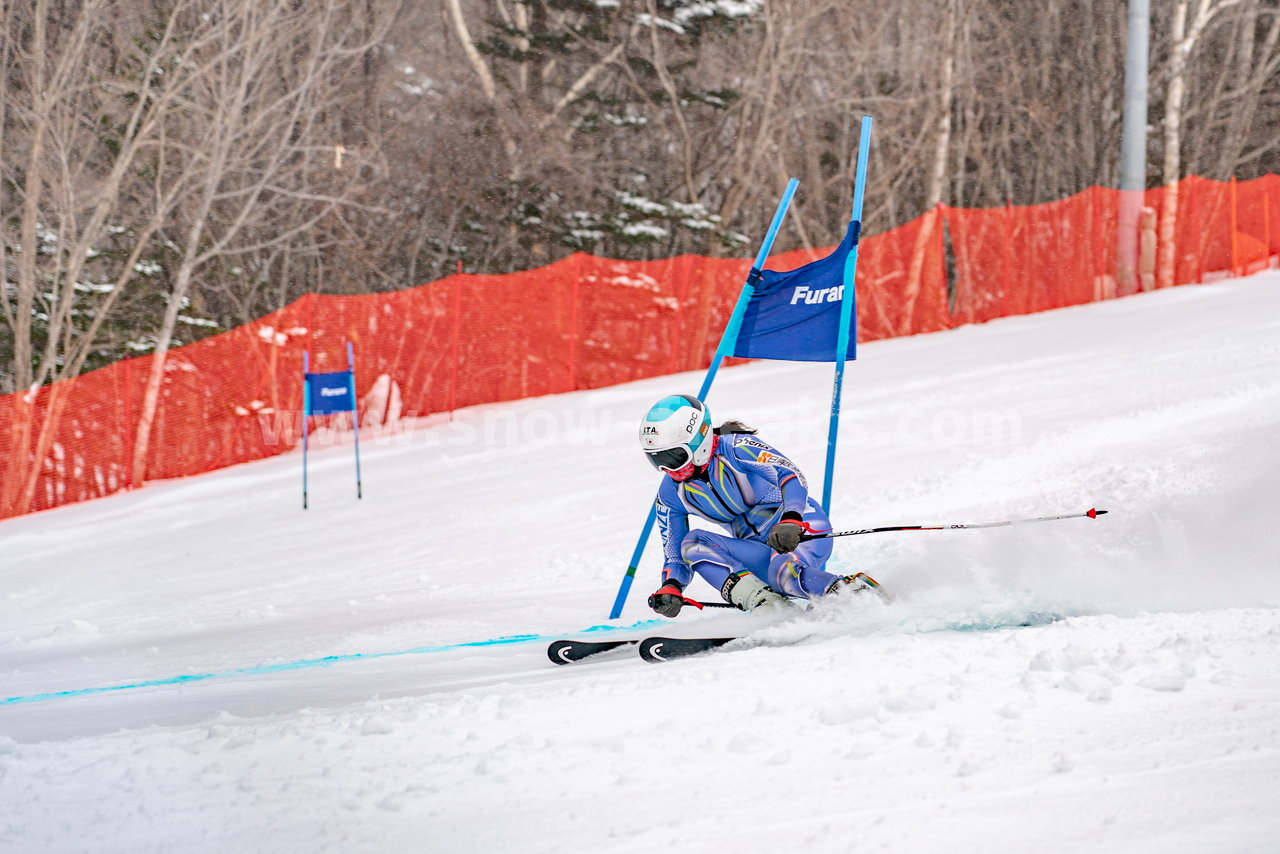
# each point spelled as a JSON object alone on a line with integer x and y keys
{"x": 663, "y": 649}
{"x": 569, "y": 651}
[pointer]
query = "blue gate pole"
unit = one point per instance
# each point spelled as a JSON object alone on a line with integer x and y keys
{"x": 306, "y": 418}
{"x": 355, "y": 411}
{"x": 848, "y": 299}
{"x": 728, "y": 341}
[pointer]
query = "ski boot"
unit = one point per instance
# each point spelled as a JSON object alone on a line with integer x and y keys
{"x": 859, "y": 582}
{"x": 750, "y": 593}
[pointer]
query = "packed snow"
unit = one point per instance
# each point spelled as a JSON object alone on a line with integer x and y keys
{"x": 202, "y": 666}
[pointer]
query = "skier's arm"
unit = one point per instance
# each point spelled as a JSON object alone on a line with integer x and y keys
{"x": 673, "y": 522}
{"x": 791, "y": 491}
{"x": 795, "y": 492}
{"x": 766, "y": 462}
{"x": 785, "y": 536}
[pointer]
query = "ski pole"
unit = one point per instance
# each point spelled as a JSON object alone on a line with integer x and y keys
{"x": 1091, "y": 513}
{"x": 700, "y": 605}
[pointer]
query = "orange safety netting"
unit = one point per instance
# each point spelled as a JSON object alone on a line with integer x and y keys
{"x": 586, "y": 322}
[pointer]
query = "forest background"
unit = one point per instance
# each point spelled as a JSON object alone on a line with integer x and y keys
{"x": 173, "y": 168}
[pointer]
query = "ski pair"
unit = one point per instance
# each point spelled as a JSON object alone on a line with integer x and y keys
{"x": 651, "y": 648}
{"x": 663, "y": 648}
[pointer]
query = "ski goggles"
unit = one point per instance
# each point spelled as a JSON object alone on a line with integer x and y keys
{"x": 670, "y": 459}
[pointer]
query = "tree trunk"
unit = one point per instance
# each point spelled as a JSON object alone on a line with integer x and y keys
{"x": 22, "y": 351}
{"x": 938, "y": 174}
{"x": 1183, "y": 43}
{"x": 155, "y": 378}
{"x": 1167, "y": 255}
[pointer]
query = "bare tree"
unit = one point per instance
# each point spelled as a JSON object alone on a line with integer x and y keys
{"x": 1183, "y": 40}
{"x": 950, "y": 13}
{"x": 502, "y": 134}
{"x": 250, "y": 151}
{"x": 1255, "y": 41}
{"x": 82, "y": 117}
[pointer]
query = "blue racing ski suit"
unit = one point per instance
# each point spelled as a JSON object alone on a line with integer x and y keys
{"x": 745, "y": 487}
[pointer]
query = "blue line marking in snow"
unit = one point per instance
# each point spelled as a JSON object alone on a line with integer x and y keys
{"x": 304, "y": 663}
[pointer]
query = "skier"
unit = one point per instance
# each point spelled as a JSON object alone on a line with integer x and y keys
{"x": 731, "y": 477}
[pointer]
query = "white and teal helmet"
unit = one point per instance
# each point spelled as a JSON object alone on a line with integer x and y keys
{"x": 676, "y": 434}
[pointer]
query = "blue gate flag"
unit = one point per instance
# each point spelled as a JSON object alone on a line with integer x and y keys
{"x": 325, "y": 394}
{"x": 330, "y": 393}
{"x": 795, "y": 315}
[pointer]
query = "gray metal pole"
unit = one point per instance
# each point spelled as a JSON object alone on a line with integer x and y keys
{"x": 1133, "y": 145}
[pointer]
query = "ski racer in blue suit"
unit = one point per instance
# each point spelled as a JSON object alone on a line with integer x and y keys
{"x": 731, "y": 477}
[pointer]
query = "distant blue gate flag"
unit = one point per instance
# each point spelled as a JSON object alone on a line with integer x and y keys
{"x": 328, "y": 394}
{"x": 795, "y": 315}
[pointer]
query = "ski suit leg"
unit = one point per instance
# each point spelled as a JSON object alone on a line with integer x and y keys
{"x": 800, "y": 573}
{"x": 715, "y": 556}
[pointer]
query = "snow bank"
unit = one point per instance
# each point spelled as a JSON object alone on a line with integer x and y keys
{"x": 1134, "y": 711}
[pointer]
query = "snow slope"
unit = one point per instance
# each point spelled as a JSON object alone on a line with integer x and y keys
{"x": 1146, "y": 719}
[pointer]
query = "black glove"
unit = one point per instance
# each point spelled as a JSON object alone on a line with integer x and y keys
{"x": 667, "y": 599}
{"x": 785, "y": 535}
